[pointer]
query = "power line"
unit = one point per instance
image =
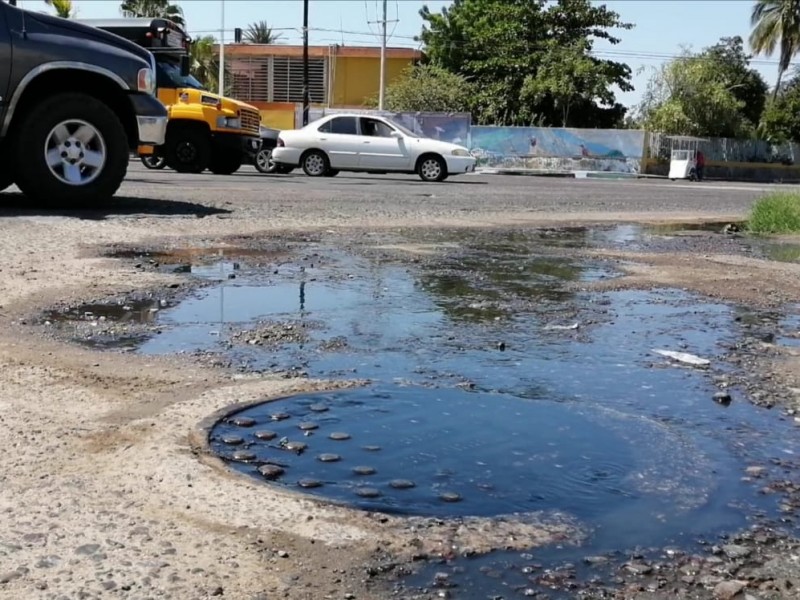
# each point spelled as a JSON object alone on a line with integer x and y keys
{"x": 644, "y": 55}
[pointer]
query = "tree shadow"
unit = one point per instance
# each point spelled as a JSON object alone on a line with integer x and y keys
{"x": 17, "y": 205}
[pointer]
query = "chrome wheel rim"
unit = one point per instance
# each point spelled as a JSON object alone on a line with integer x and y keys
{"x": 264, "y": 159}
{"x": 75, "y": 152}
{"x": 315, "y": 164}
{"x": 154, "y": 161}
{"x": 431, "y": 169}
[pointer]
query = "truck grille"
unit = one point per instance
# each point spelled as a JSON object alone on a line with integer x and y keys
{"x": 251, "y": 120}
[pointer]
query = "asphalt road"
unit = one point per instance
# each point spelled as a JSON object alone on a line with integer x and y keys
{"x": 366, "y": 198}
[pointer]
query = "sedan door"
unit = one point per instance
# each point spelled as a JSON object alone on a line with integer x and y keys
{"x": 340, "y": 141}
{"x": 380, "y": 151}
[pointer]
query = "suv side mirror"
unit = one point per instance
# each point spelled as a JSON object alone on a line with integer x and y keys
{"x": 185, "y": 66}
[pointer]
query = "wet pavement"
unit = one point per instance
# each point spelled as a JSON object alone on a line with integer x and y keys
{"x": 499, "y": 385}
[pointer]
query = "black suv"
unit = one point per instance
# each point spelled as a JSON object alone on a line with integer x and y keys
{"x": 75, "y": 101}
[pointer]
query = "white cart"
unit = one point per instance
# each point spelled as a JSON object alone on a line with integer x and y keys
{"x": 683, "y": 156}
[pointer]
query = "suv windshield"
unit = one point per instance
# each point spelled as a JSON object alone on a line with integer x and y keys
{"x": 168, "y": 75}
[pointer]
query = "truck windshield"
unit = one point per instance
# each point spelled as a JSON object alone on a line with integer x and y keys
{"x": 169, "y": 76}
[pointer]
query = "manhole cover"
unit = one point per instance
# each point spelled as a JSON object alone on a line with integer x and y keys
{"x": 451, "y": 452}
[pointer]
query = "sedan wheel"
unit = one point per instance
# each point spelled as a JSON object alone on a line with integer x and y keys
{"x": 315, "y": 164}
{"x": 264, "y": 162}
{"x": 432, "y": 168}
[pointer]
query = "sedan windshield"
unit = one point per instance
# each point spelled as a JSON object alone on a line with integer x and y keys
{"x": 403, "y": 130}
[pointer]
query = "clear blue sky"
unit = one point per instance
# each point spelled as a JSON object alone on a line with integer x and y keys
{"x": 662, "y": 26}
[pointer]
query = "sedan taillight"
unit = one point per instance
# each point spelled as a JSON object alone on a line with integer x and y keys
{"x": 280, "y": 143}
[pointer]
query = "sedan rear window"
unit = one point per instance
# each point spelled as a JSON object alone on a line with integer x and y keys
{"x": 341, "y": 125}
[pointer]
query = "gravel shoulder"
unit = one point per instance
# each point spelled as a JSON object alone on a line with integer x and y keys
{"x": 101, "y": 494}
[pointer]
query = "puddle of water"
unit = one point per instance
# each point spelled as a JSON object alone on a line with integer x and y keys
{"x": 783, "y": 252}
{"x": 569, "y": 408}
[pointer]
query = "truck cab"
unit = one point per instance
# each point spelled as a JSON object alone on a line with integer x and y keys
{"x": 205, "y": 130}
{"x": 74, "y": 103}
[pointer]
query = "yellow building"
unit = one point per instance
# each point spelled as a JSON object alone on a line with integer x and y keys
{"x": 270, "y": 76}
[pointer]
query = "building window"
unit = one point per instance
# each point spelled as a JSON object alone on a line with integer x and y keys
{"x": 277, "y": 79}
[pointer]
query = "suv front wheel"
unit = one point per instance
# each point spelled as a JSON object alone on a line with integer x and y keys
{"x": 72, "y": 151}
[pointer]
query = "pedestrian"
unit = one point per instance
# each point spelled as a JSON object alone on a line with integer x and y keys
{"x": 699, "y": 165}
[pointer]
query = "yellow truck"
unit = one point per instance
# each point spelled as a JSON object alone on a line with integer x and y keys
{"x": 204, "y": 130}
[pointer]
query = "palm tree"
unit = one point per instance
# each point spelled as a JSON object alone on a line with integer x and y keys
{"x": 776, "y": 23}
{"x": 205, "y": 64}
{"x": 64, "y": 8}
{"x": 260, "y": 33}
{"x": 154, "y": 9}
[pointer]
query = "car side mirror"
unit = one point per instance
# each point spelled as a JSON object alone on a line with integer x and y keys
{"x": 185, "y": 66}
{"x": 396, "y": 135}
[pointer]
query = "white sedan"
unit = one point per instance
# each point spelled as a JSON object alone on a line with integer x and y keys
{"x": 351, "y": 142}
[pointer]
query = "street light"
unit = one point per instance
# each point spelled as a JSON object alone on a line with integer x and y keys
{"x": 222, "y": 52}
{"x": 305, "y": 63}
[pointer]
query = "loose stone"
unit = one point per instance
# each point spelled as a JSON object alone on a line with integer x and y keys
{"x": 450, "y": 497}
{"x": 266, "y": 435}
{"x": 364, "y": 470}
{"x": 309, "y": 483}
{"x": 402, "y": 484}
{"x": 244, "y": 455}
{"x": 243, "y": 421}
{"x": 232, "y": 440}
{"x": 296, "y": 446}
{"x": 271, "y": 471}
{"x": 327, "y": 457}
{"x": 280, "y": 416}
{"x": 308, "y": 426}
{"x": 368, "y": 492}
{"x": 371, "y": 448}
{"x": 339, "y": 436}
{"x": 318, "y": 408}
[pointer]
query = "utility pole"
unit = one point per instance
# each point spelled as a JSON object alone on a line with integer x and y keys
{"x": 222, "y": 52}
{"x": 305, "y": 63}
{"x": 383, "y": 59}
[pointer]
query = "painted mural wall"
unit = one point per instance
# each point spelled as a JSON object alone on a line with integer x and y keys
{"x": 558, "y": 149}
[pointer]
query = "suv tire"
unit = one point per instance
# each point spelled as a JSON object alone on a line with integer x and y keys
{"x": 72, "y": 151}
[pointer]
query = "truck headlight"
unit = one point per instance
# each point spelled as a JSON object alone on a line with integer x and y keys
{"x": 146, "y": 81}
{"x": 229, "y": 122}
{"x": 460, "y": 152}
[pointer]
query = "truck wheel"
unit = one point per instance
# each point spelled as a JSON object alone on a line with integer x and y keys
{"x": 6, "y": 181}
{"x": 72, "y": 151}
{"x": 225, "y": 164}
{"x": 154, "y": 162}
{"x": 188, "y": 150}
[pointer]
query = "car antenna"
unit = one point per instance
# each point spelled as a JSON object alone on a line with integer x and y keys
{"x": 24, "y": 31}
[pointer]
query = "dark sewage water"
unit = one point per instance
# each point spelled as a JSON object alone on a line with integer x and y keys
{"x": 498, "y": 387}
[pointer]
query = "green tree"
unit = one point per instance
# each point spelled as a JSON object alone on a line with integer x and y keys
{"x": 64, "y": 8}
{"x": 776, "y": 25}
{"x": 712, "y": 93}
{"x": 745, "y": 83}
{"x": 260, "y": 33}
{"x": 781, "y": 119}
{"x": 153, "y": 9}
{"x": 502, "y": 45}
{"x": 570, "y": 78}
{"x": 429, "y": 88}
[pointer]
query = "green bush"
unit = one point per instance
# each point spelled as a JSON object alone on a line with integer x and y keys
{"x": 777, "y": 212}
